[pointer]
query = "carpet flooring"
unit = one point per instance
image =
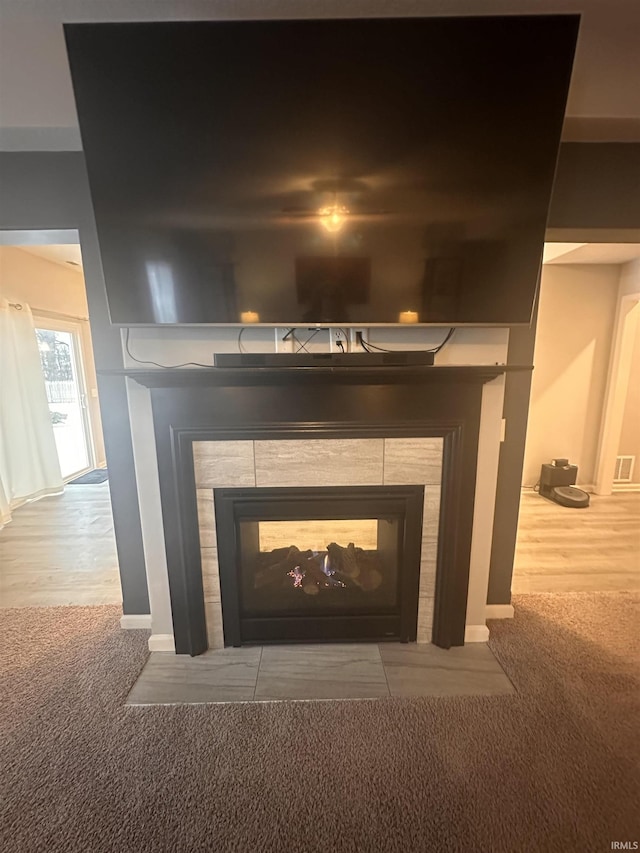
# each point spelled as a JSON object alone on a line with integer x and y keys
{"x": 553, "y": 767}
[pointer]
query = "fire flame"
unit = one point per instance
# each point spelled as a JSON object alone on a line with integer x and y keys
{"x": 297, "y": 576}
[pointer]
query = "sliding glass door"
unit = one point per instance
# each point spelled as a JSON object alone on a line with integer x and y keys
{"x": 60, "y": 349}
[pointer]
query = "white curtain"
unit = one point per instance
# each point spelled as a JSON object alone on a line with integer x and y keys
{"x": 29, "y": 466}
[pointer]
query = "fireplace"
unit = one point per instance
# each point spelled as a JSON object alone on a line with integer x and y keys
{"x": 282, "y": 428}
{"x": 319, "y": 563}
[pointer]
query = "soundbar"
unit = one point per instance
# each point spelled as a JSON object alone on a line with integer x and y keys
{"x": 324, "y": 359}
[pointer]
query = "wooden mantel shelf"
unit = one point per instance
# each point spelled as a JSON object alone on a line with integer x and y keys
{"x": 204, "y": 377}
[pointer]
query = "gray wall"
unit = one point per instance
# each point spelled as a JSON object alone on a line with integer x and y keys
{"x": 596, "y": 197}
{"x": 597, "y": 186}
{"x": 517, "y": 391}
{"x": 49, "y": 190}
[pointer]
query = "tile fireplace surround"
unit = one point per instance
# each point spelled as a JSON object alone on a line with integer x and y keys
{"x": 317, "y": 462}
{"x": 268, "y": 427}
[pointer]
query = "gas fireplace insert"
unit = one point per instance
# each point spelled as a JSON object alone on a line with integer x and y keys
{"x": 314, "y": 564}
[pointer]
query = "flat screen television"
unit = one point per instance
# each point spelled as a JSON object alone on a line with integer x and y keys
{"x": 311, "y": 172}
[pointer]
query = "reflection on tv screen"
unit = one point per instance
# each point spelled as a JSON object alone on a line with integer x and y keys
{"x": 315, "y": 172}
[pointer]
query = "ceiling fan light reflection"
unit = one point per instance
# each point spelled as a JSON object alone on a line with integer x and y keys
{"x": 333, "y": 217}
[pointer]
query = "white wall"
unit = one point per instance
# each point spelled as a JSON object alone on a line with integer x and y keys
{"x": 49, "y": 287}
{"x": 175, "y": 345}
{"x": 630, "y": 434}
{"x": 42, "y": 283}
{"x": 620, "y": 374}
{"x": 629, "y": 444}
{"x": 571, "y": 361}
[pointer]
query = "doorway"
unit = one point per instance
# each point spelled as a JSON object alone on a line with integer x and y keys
{"x": 59, "y": 345}
{"x": 58, "y": 550}
{"x": 583, "y": 371}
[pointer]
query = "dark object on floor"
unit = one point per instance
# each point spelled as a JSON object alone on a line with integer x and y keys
{"x": 557, "y": 483}
{"x": 553, "y": 767}
{"x": 91, "y": 478}
{"x": 569, "y": 496}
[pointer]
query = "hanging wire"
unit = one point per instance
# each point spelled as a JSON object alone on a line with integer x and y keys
{"x": 155, "y": 363}
{"x": 368, "y": 346}
{"x": 298, "y": 344}
{"x": 448, "y": 337}
{"x": 303, "y": 346}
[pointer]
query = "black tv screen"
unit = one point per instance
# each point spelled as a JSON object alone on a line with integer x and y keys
{"x": 362, "y": 171}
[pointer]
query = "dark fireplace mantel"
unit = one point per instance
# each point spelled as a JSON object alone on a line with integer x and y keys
{"x": 214, "y": 404}
{"x": 170, "y": 377}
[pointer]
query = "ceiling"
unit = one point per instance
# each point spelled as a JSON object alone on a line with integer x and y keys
{"x": 590, "y": 253}
{"x": 38, "y": 109}
{"x": 67, "y": 255}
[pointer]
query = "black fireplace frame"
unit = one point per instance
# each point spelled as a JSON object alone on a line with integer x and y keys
{"x": 399, "y": 623}
{"x": 218, "y": 404}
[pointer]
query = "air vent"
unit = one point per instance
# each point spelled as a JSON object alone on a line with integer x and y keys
{"x": 623, "y": 472}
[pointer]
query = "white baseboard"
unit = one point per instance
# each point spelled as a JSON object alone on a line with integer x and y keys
{"x": 625, "y": 487}
{"x": 499, "y": 611}
{"x": 162, "y": 643}
{"x": 476, "y": 634}
{"x": 134, "y": 621}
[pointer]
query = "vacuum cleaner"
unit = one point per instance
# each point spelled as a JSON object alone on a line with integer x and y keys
{"x": 557, "y": 483}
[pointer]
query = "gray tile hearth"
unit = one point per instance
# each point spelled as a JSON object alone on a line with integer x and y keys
{"x": 425, "y": 670}
{"x": 321, "y": 672}
{"x": 226, "y": 675}
{"x": 308, "y": 672}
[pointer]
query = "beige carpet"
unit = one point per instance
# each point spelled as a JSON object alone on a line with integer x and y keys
{"x": 554, "y": 767}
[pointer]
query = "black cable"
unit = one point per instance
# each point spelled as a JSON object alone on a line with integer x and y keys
{"x": 291, "y": 333}
{"x": 155, "y": 363}
{"x": 371, "y": 346}
{"x": 360, "y": 340}
{"x": 368, "y": 346}
{"x": 438, "y": 348}
{"x": 296, "y": 342}
{"x": 303, "y": 346}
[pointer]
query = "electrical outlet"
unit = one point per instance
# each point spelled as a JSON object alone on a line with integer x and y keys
{"x": 354, "y": 339}
{"x": 338, "y": 341}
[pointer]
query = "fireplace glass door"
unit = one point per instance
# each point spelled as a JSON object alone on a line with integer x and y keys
{"x": 319, "y": 564}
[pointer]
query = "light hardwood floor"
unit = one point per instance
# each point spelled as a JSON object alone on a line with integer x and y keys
{"x": 61, "y": 550}
{"x": 560, "y": 549}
